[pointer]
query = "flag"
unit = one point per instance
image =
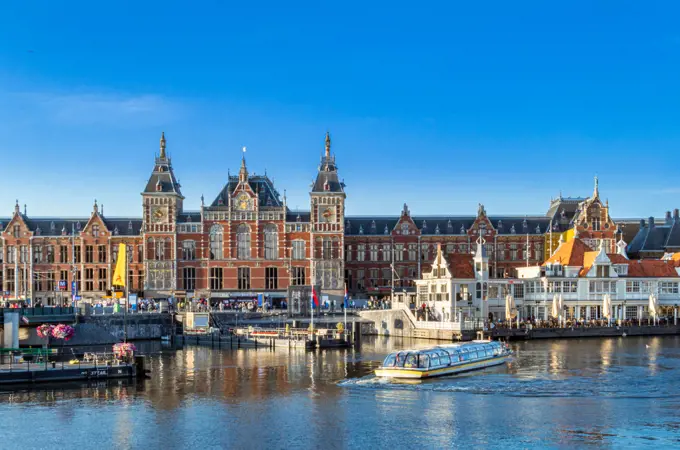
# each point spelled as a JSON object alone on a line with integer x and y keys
{"x": 119, "y": 273}
{"x": 346, "y": 297}
{"x": 315, "y": 299}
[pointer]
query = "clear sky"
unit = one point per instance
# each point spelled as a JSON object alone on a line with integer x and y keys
{"x": 438, "y": 104}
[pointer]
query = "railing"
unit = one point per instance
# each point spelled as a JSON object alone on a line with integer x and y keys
{"x": 41, "y": 311}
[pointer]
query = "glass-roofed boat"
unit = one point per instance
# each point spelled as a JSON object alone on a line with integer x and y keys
{"x": 444, "y": 360}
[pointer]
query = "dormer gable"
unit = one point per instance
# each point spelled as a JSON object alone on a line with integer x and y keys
{"x": 482, "y": 226}
{"x": 440, "y": 267}
{"x": 405, "y": 225}
{"x": 96, "y": 227}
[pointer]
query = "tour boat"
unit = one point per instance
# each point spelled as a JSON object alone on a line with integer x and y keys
{"x": 444, "y": 360}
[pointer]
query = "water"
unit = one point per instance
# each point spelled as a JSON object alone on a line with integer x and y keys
{"x": 621, "y": 392}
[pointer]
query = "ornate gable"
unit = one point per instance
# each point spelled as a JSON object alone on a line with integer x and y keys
{"x": 19, "y": 220}
{"x": 405, "y": 225}
{"x": 96, "y": 225}
{"x": 482, "y": 226}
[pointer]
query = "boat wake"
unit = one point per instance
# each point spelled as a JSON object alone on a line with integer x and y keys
{"x": 505, "y": 385}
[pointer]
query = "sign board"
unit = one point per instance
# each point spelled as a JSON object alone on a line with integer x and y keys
{"x": 132, "y": 299}
{"x": 62, "y": 285}
{"x": 74, "y": 286}
{"x": 77, "y": 297}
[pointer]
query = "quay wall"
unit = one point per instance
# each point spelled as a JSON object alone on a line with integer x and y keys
{"x": 589, "y": 332}
{"x": 107, "y": 329}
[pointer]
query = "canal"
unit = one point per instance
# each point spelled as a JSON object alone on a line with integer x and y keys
{"x": 621, "y": 392}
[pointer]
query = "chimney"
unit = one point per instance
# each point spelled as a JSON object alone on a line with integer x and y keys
{"x": 668, "y": 218}
{"x": 651, "y": 222}
{"x": 642, "y": 223}
{"x": 676, "y": 214}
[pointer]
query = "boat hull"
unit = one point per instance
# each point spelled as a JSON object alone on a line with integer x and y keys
{"x": 450, "y": 370}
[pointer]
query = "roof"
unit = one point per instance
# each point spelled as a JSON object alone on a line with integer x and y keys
{"x": 327, "y": 178}
{"x": 570, "y": 253}
{"x": 298, "y": 216}
{"x": 446, "y": 225}
{"x": 60, "y": 226}
{"x": 651, "y": 268}
{"x": 563, "y": 210}
{"x": 650, "y": 237}
{"x": 267, "y": 195}
{"x": 459, "y": 264}
{"x": 162, "y": 179}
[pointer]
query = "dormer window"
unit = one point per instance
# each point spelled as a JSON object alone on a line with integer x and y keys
{"x": 404, "y": 228}
{"x": 602, "y": 271}
{"x": 595, "y": 224}
{"x": 95, "y": 230}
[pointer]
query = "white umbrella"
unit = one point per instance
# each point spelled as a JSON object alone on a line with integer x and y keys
{"x": 606, "y": 306}
{"x": 652, "y": 306}
{"x": 556, "y": 306}
{"x": 509, "y": 307}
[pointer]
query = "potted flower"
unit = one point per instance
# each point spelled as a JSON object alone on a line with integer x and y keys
{"x": 64, "y": 332}
{"x": 124, "y": 351}
{"x": 340, "y": 328}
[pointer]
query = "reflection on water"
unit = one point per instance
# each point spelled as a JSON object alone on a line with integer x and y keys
{"x": 613, "y": 392}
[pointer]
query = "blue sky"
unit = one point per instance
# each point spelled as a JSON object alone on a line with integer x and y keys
{"x": 438, "y": 104}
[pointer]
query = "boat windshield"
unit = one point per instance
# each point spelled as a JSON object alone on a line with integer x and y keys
{"x": 443, "y": 356}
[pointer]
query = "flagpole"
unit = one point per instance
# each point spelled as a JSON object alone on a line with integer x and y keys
{"x": 344, "y": 308}
{"x": 312, "y": 323}
{"x": 127, "y": 290}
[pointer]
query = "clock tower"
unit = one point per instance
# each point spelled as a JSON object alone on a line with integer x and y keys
{"x": 161, "y": 205}
{"x": 327, "y": 227}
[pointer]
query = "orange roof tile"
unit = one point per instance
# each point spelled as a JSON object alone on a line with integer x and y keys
{"x": 651, "y": 268}
{"x": 570, "y": 253}
{"x": 461, "y": 265}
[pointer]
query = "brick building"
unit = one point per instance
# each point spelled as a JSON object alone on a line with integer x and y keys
{"x": 248, "y": 242}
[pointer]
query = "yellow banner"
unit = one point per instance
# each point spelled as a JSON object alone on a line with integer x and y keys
{"x": 550, "y": 247}
{"x": 119, "y": 274}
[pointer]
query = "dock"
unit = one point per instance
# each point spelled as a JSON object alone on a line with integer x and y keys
{"x": 267, "y": 338}
{"x": 52, "y": 372}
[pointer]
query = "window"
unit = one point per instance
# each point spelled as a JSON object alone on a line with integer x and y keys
{"x": 348, "y": 253}
{"x": 399, "y": 252}
{"x": 24, "y": 254}
{"x": 298, "y": 249}
{"x": 412, "y": 250}
{"x": 519, "y": 290}
{"x": 102, "y": 279}
{"x": 50, "y": 254}
{"x": 11, "y": 254}
{"x": 140, "y": 253}
{"x": 425, "y": 252}
{"x": 63, "y": 254}
{"x": 37, "y": 254}
{"x": 361, "y": 252}
{"x": 450, "y": 248}
{"x": 538, "y": 252}
{"x": 271, "y": 240}
{"x": 89, "y": 279}
{"x": 603, "y": 271}
{"x": 513, "y": 252}
{"x": 37, "y": 281}
{"x": 298, "y": 276}
{"x": 667, "y": 287}
{"x": 373, "y": 277}
{"x": 404, "y": 228}
{"x": 271, "y": 278}
{"x": 17, "y": 231}
{"x": 50, "y": 282}
{"x": 77, "y": 254}
{"x": 216, "y": 278}
{"x": 632, "y": 286}
{"x": 159, "y": 249}
{"x": 501, "y": 252}
{"x": 244, "y": 278}
{"x": 360, "y": 279}
{"x": 243, "y": 241}
{"x": 326, "y": 250}
{"x": 189, "y": 276}
{"x": 216, "y": 242}
{"x": 10, "y": 280}
{"x": 102, "y": 254}
{"x": 89, "y": 254}
{"x": 386, "y": 277}
{"x": 373, "y": 252}
{"x": 95, "y": 230}
{"x": 596, "y": 224}
{"x": 601, "y": 287}
{"x": 78, "y": 280}
{"x": 63, "y": 276}
{"x": 387, "y": 252}
{"x": 114, "y": 254}
{"x": 189, "y": 250}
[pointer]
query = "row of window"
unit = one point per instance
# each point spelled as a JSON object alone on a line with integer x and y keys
{"x": 376, "y": 252}
{"x": 65, "y": 254}
{"x": 48, "y": 281}
{"x": 216, "y": 278}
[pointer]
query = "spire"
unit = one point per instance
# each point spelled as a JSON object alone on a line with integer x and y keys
{"x": 596, "y": 191}
{"x": 243, "y": 172}
{"x": 95, "y": 208}
{"x": 162, "y": 145}
{"x": 328, "y": 145}
{"x": 25, "y": 214}
{"x": 16, "y": 207}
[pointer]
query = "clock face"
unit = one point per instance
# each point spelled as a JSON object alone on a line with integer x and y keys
{"x": 327, "y": 215}
{"x": 157, "y": 215}
{"x": 242, "y": 202}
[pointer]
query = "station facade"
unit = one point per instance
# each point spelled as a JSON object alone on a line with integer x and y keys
{"x": 247, "y": 242}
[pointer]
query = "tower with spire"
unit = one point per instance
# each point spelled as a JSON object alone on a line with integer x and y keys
{"x": 162, "y": 204}
{"x": 327, "y": 204}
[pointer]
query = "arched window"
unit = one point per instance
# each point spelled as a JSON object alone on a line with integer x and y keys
{"x": 243, "y": 241}
{"x": 479, "y": 290}
{"x": 150, "y": 249}
{"x": 270, "y": 242}
{"x": 327, "y": 249}
{"x": 216, "y": 242}
{"x": 160, "y": 250}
